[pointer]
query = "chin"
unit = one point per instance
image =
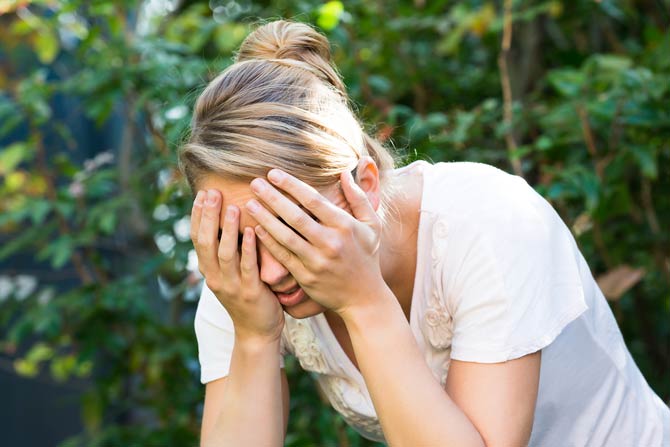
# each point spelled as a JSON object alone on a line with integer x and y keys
{"x": 306, "y": 309}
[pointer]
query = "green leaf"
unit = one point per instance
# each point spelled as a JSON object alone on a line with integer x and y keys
{"x": 611, "y": 9}
{"x": 10, "y": 123}
{"x": 39, "y": 209}
{"x": 91, "y": 411}
{"x": 464, "y": 121}
{"x": 108, "y": 222}
{"x": 12, "y": 155}
{"x": 228, "y": 36}
{"x": 62, "y": 367}
{"x": 59, "y": 251}
{"x": 65, "y": 208}
{"x": 329, "y": 15}
{"x": 40, "y": 352}
{"x": 612, "y": 63}
{"x": 567, "y": 82}
{"x": 23, "y": 240}
{"x": 543, "y": 143}
{"x": 29, "y": 365}
{"x": 46, "y": 45}
{"x": 590, "y": 186}
{"x": 380, "y": 84}
{"x": 25, "y": 368}
{"x": 84, "y": 368}
{"x": 62, "y": 254}
{"x": 645, "y": 157}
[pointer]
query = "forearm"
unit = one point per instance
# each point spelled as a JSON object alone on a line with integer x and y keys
{"x": 411, "y": 405}
{"x": 251, "y": 411}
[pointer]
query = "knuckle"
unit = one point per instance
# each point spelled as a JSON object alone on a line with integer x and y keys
{"x": 201, "y": 243}
{"x": 348, "y": 226}
{"x": 196, "y": 213}
{"x": 225, "y": 257}
{"x": 213, "y": 285}
{"x": 319, "y": 266}
{"x": 334, "y": 247}
{"x": 210, "y": 212}
{"x": 301, "y": 220}
{"x": 272, "y": 198}
{"x": 248, "y": 250}
{"x": 284, "y": 257}
{"x": 292, "y": 239}
{"x": 247, "y": 265}
{"x": 313, "y": 202}
{"x": 228, "y": 288}
{"x": 246, "y": 268}
{"x": 309, "y": 280}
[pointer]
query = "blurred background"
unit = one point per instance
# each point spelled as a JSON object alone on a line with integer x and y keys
{"x": 98, "y": 281}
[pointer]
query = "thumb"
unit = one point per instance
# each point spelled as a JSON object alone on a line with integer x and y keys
{"x": 358, "y": 201}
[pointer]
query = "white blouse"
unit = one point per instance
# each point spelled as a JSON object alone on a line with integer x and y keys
{"x": 498, "y": 276}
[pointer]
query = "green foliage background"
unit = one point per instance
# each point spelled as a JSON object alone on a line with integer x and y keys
{"x": 577, "y": 104}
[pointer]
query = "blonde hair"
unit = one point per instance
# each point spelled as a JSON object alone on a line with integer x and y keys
{"x": 282, "y": 104}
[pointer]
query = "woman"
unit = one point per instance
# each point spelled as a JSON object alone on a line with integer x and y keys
{"x": 441, "y": 304}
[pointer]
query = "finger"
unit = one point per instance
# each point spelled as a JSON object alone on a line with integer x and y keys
{"x": 308, "y": 197}
{"x": 281, "y": 253}
{"x": 228, "y": 250}
{"x": 207, "y": 244}
{"x": 249, "y": 262}
{"x": 196, "y": 214}
{"x": 280, "y": 231}
{"x": 285, "y": 208}
{"x": 358, "y": 201}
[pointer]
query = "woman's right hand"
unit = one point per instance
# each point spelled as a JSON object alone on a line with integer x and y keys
{"x": 233, "y": 277}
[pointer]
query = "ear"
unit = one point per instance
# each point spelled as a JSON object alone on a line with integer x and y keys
{"x": 367, "y": 178}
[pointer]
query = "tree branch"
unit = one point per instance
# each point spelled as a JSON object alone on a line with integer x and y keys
{"x": 505, "y": 83}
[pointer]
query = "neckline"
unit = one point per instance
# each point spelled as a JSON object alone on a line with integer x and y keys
{"x": 342, "y": 358}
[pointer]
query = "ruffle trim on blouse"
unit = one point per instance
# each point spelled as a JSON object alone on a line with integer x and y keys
{"x": 437, "y": 324}
{"x": 306, "y": 347}
{"x": 345, "y": 396}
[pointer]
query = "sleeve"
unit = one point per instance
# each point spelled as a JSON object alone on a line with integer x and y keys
{"x": 513, "y": 276}
{"x": 216, "y": 336}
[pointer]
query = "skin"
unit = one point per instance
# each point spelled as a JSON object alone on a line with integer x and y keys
{"x": 482, "y": 404}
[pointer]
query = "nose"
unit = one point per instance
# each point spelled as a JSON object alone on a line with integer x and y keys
{"x": 272, "y": 272}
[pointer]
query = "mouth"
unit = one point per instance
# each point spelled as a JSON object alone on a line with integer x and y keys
{"x": 291, "y": 297}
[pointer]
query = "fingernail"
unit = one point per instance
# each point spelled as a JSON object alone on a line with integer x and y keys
{"x": 199, "y": 198}
{"x": 211, "y": 197}
{"x": 230, "y": 213}
{"x": 260, "y": 231}
{"x": 276, "y": 175}
{"x": 258, "y": 185}
{"x": 253, "y": 206}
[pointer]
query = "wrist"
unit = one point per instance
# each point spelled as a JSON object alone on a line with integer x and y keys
{"x": 255, "y": 344}
{"x": 366, "y": 310}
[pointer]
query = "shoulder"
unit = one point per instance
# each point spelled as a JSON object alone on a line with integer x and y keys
{"x": 476, "y": 202}
{"x": 476, "y": 188}
{"x": 488, "y": 223}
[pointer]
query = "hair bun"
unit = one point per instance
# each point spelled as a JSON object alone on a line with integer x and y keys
{"x": 294, "y": 41}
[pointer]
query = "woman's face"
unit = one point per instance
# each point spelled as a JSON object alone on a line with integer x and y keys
{"x": 272, "y": 273}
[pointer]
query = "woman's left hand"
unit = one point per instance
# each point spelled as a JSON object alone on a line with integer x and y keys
{"x": 336, "y": 261}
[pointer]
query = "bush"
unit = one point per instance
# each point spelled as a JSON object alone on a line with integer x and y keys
{"x": 97, "y": 97}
